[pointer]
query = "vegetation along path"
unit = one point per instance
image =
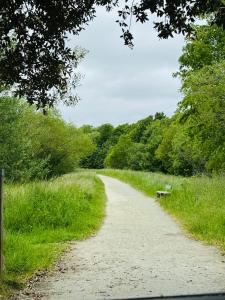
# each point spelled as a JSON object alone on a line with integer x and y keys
{"x": 139, "y": 251}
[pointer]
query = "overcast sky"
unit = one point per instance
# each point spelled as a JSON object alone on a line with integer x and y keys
{"x": 122, "y": 85}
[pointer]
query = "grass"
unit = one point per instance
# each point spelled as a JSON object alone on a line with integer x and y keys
{"x": 198, "y": 203}
{"x": 40, "y": 217}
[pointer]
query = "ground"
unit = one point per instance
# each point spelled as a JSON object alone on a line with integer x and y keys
{"x": 139, "y": 251}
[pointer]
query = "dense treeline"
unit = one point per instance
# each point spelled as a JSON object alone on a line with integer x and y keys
{"x": 193, "y": 139}
{"x": 37, "y": 146}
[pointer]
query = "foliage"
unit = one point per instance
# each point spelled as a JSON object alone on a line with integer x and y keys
{"x": 176, "y": 16}
{"x": 201, "y": 113}
{"x": 206, "y": 48}
{"x": 138, "y": 157}
{"x": 17, "y": 156}
{"x": 136, "y": 148}
{"x": 63, "y": 144}
{"x": 118, "y": 156}
{"x": 138, "y": 129}
{"x": 35, "y": 57}
{"x": 152, "y": 137}
{"x": 203, "y": 109}
{"x": 40, "y": 217}
{"x": 34, "y": 146}
{"x": 197, "y": 202}
{"x": 104, "y": 137}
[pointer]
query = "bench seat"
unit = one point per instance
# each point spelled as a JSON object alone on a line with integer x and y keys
{"x": 162, "y": 193}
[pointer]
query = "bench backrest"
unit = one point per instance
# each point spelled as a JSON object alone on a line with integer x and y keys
{"x": 168, "y": 187}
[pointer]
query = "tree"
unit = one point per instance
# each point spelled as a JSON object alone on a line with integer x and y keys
{"x": 152, "y": 137}
{"x": 104, "y": 137}
{"x": 175, "y": 16}
{"x": 194, "y": 141}
{"x": 35, "y": 58}
{"x": 101, "y": 136}
{"x": 138, "y": 157}
{"x": 203, "y": 109}
{"x": 17, "y": 154}
{"x": 206, "y": 48}
{"x": 34, "y": 146}
{"x": 62, "y": 144}
{"x": 118, "y": 156}
{"x": 165, "y": 148}
{"x": 136, "y": 133}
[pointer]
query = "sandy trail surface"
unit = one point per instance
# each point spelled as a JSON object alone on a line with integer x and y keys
{"x": 139, "y": 251}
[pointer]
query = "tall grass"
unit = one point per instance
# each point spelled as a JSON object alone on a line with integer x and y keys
{"x": 40, "y": 216}
{"x": 198, "y": 203}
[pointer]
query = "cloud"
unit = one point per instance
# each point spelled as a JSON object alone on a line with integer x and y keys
{"x": 122, "y": 85}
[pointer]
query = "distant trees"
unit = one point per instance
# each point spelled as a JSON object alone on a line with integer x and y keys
{"x": 191, "y": 141}
{"x": 104, "y": 137}
{"x": 118, "y": 156}
{"x": 127, "y": 155}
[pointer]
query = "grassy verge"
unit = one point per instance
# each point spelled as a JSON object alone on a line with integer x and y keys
{"x": 198, "y": 203}
{"x": 40, "y": 217}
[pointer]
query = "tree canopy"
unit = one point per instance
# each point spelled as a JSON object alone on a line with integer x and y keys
{"x": 35, "y": 60}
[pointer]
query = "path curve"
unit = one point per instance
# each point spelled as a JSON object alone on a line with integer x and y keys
{"x": 139, "y": 251}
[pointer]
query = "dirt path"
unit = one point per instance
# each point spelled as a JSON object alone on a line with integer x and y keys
{"x": 139, "y": 251}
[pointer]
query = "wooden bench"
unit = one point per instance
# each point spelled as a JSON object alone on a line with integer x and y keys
{"x": 164, "y": 193}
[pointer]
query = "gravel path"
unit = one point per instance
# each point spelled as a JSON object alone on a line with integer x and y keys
{"x": 139, "y": 251}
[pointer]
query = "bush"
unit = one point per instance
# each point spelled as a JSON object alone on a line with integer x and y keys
{"x": 35, "y": 146}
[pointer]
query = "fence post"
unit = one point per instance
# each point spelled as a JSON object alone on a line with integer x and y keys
{"x": 2, "y": 173}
